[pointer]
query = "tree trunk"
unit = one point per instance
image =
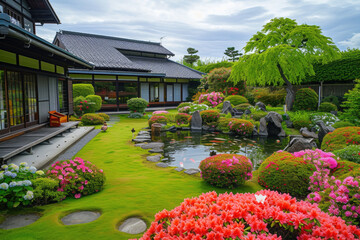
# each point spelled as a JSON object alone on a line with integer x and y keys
{"x": 290, "y": 96}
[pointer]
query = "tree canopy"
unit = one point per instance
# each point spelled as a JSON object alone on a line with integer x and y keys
{"x": 232, "y": 54}
{"x": 191, "y": 58}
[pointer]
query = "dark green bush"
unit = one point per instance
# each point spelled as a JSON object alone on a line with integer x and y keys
{"x": 136, "y": 115}
{"x": 243, "y": 106}
{"x": 236, "y": 99}
{"x": 327, "y": 107}
{"x": 286, "y": 173}
{"x": 332, "y": 99}
{"x": 342, "y": 124}
{"x": 137, "y": 105}
{"x": 350, "y": 153}
{"x": 352, "y": 104}
{"x": 306, "y": 99}
{"x": 300, "y": 119}
{"x": 104, "y": 116}
{"x": 273, "y": 98}
{"x": 80, "y": 89}
{"x": 92, "y": 119}
{"x": 46, "y": 191}
{"x": 95, "y": 101}
{"x": 340, "y": 138}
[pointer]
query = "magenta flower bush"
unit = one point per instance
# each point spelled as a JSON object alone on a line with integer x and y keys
{"x": 77, "y": 177}
{"x": 160, "y": 112}
{"x": 213, "y": 98}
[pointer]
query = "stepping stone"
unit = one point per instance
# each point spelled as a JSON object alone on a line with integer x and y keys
{"x": 192, "y": 171}
{"x": 156, "y": 150}
{"x": 155, "y": 158}
{"x": 142, "y": 136}
{"x": 133, "y": 226}
{"x": 179, "y": 169}
{"x": 80, "y": 217}
{"x": 144, "y": 132}
{"x": 141, "y": 140}
{"x": 153, "y": 145}
{"x": 139, "y": 144}
{"x": 161, "y": 164}
{"x": 18, "y": 221}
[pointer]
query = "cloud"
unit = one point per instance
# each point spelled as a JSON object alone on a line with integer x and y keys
{"x": 353, "y": 42}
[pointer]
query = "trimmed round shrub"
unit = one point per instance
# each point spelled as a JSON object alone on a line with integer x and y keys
{"x": 343, "y": 168}
{"x": 236, "y": 99}
{"x": 157, "y": 119}
{"x": 185, "y": 109}
{"x": 340, "y": 138}
{"x": 92, "y": 119}
{"x": 332, "y": 99}
{"x": 350, "y": 153}
{"x": 81, "y": 89}
{"x": 137, "y": 105}
{"x": 286, "y": 173}
{"x": 183, "y": 104}
{"x": 264, "y": 215}
{"x": 224, "y": 124}
{"x": 77, "y": 177}
{"x": 226, "y": 170}
{"x": 104, "y": 116}
{"x": 210, "y": 117}
{"x": 271, "y": 97}
{"x": 243, "y": 106}
{"x": 257, "y": 115}
{"x": 136, "y": 115}
{"x": 241, "y": 127}
{"x": 342, "y": 124}
{"x": 306, "y": 99}
{"x": 82, "y": 106}
{"x": 355, "y": 173}
{"x": 46, "y": 191}
{"x": 95, "y": 102}
{"x": 182, "y": 118}
{"x": 327, "y": 107}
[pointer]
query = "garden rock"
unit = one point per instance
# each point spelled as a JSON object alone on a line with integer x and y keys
{"x": 161, "y": 164}
{"x": 153, "y": 145}
{"x": 334, "y": 113}
{"x": 255, "y": 131}
{"x": 263, "y": 127}
{"x": 196, "y": 121}
{"x": 140, "y": 144}
{"x": 80, "y": 217}
{"x": 155, "y": 158}
{"x": 133, "y": 226}
{"x": 186, "y": 129}
{"x": 205, "y": 128}
{"x": 143, "y": 137}
{"x": 227, "y": 108}
{"x": 261, "y": 106}
{"x": 323, "y": 130}
{"x": 247, "y": 112}
{"x": 289, "y": 124}
{"x": 156, "y": 150}
{"x": 172, "y": 129}
{"x": 192, "y": 171}
{"x": 143, "y": 132}
{"x": 274, "y": 127}
{"x": 179, "y": 169}
{"x": 18, "y": 221}
{"x": 141, "y": 140}
{"x": 299, "y": 143}
{"x": 307, "y": 134}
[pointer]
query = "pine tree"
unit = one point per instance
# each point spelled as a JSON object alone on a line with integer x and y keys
{"x": 192, "y": 58}
{"x": 232, "y": 54}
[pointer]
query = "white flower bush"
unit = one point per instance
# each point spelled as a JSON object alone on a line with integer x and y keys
{"x": 328, "y": 119}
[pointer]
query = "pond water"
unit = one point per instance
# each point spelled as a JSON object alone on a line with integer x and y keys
{"x": 187, "y": 149}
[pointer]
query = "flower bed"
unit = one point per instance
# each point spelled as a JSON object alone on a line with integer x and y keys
{"x": 340, "y": 138}
{"x": 182, "y": 118}
{"x": 241, "y": 127}
{"x": 226, "y": 170}
{"x": 264, "y": 215}
{"x": 157, "y": 119}
{"x": 210, "y": 117}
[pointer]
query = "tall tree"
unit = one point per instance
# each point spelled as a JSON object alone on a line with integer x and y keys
{"x": 191, "y": 58}
{"x": 232, "y": 54}
{"x": 283, "y": 52}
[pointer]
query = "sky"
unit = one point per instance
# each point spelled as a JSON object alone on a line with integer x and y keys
{"x": 210, "y": 26}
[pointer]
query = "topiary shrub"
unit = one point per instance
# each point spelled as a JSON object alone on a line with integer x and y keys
{"x": 224, "y": 125}
{"x": 136, "y": 115}
{"x": 104, "y": 116}
{"x": 286, "y": 173}
{"x": 210, "y": 117}
{"x": 82, "y": 106}
{"x": 243, "y": 106}
{"x": 77, "y": 177}
{"x": 241, "y": 127}
{"x": 332, "y": 99}
{"x": 81, "y": 89}
{"x": 137, "y": 105}
{"x": 342, "y": 124}
{"x": 95, "y": 101}
{"x": 157, "y": 119}
{"x": 92, "y": 119}
{"x": 236, "y": 99}
{"x": 340, "y": 138}
{"x": 300, "y": 119}
{"x": 270, "y": 97}
{"x": 263, "y": 215}
{"x": 355, "y": 173}
{"x": 327, "y": 107}
{"x": 183, "y": 104}
{"x": 46, "y": 191}
{"x": 226, "y": 170}
{"x": 257, "y": 115}
{"x": 182, "y": 118}
{"x": 350, "y": 153}
{"x": 343, "y": 168}
{"x": 306, "y": 99}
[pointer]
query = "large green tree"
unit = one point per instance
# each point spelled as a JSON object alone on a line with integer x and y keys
{"x": 283, "y": 52}
{"x": 191, "y": 58}
{"x": 232, "y": 54}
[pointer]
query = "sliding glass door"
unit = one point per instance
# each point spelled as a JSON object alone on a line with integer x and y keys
{"x": 15, "y": 99}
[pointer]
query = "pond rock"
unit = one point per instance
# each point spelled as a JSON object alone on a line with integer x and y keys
{"x": 155, "y": 158}
{"x": 143, "y": 132}
{"x": 140, "y": 144}
{"x": 263, "y": 127}
{"x": 261, "y": 106}
{"x": 205, "y": 128}
{"x": 274, "y": 127}
{"x": 247, "y": 112}
{"x": 307, "y": 134}
{"x": 323, "y": 130}
{"x": 156, "y": 150}
{"x": 80, "y": 217}
{"x": 133, "y": 226}
{"x": 153, "y": 145}
{"x": 196, "y": 121}
{"x": 300, "y": 143}
{"x": 163, "y": 165}
{"x": 172, "y": 129}
{"x": 192, "y": 171}
{"x": 227, "y": 108}
{"x": 141, "y": 140}
{"x": 334, "y": 113}
{"x": 179, "y": 169}
{"x": 17, "y": 221}
{"x": 289, "y": 124}
{"x": 255, "y": 131}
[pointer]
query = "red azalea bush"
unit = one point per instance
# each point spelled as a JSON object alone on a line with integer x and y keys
{"x": 226, "y": 170}
{"x": 340, "y": 138}
{"x": 157, "y": 119}
{"x": 210, "y": 117}
{"x": 241, "y": 127}
{"x": 77, "y": 177}
{"x": 263, "y": 215}
{"x": 182, "y": 118}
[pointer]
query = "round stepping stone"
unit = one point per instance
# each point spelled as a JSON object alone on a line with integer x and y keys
{"x": 133, "y": 226}
{"x": 153, "y": 145}
{"x": 18, "y": 221}
{"x": 80, "y": 217}
{"x": 156, "y": 150}
{"x": 161, "y": 164}
{"x": 155, "y": 158}
{"x": 192, "y": 171}
{"x": 179, "y": 169}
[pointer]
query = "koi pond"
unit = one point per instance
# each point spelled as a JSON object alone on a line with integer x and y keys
{"x": 187, "y": 149}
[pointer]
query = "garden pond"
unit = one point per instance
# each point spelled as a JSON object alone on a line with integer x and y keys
{"x": 187, "y": 149}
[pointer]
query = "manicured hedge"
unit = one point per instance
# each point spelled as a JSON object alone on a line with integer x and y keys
{"x": 80, "y": 89}
{"x": 306, "y": 99}
{"x": 340, "y": 138}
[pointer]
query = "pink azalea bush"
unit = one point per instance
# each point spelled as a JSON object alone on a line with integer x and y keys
{"x": 263, "y": 215}
{"x": 226, "y": 170}
{"x": 185, "y": 109}
{"x": 77, "y": 177}
{"x": 241, "y": 127}
{"x": 213, "y": 98}
{"x": 160, "y": 112}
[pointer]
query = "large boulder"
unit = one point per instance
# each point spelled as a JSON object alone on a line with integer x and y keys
{"x": 196, "y": 121}
{"x": 274, "y": 127}
{"x": 323, "y": 130}
{"x": 260, "y": 106}
{"x": 227, "y": 108}
{"x": 300, "y": 143}
{"x": 307, "y": 134}
{"x": 263, "y": 127}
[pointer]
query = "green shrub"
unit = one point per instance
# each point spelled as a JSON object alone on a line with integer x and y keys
{"x": 352, "y": 104}
{"x": 104, "y": 116}
{"x": 236, "y": 99}
{"x": 137, "y": 105}
{"x": 327, "y": 107}
{"x": 286, "y": 173}
{"x": 95, "y": 101}
{"x": 183, "y": 104}
{"x": 350, "y": 153}
{"x": 306, "y": 99}
{"x": 250, "y": 97}
{"x": 226, "y": 170}
{"x": 332, "y": 99}
{"x": 343, "y": 168}
{"x": 210, "y": 117}
{"x": 92, "y": 119}
{"x": 341, "y": 138}
{"x": 273, "y": 98}
{"x": 257, "y": 114}
{"x": 300, "y": 119}
{"x": 157, "y": 119}
{"x": 341, "y": 124}
{"x": 354, "y": 172}
{"x": 224, "y": 125}
{"x": 136, "y": 115}
{"x": 46, "y": 191}
{"x": 73, "y": 118}
{"x": 182, "y": 118}
{"x": 81, "y": 89}
{"x": 243, "y": 106}
{"x": 241, "y": 127}
{"x": 82, "y": 106}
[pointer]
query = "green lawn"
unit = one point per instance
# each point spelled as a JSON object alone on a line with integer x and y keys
{"x": 134, "y": 187}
